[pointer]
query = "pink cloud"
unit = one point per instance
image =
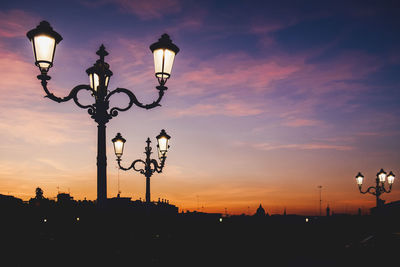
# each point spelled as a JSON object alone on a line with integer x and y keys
{"x": 264, "y": 28}
{"x": 15, "y": 23}
{"x": 229, "y": 72}
{"x": 333, "y": 75}
{"x": 44, "y": 127}
{"x": 146, "y": 10}
{"x": 245, "y": 78}
{"x": 309, "y": 146}
{"x": 19, "y": 76}
{"x": 192, "y": 22}
{"x": 17, "y": 73}
{"x": 223, "y": 104}
{"x": 233, "y": 109}
{"x": 301, "y": 122}
{"x": 23, "y": 115}
{"x": 369, "y": 134}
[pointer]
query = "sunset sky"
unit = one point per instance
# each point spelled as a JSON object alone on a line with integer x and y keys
{"x": 267, "y": 101}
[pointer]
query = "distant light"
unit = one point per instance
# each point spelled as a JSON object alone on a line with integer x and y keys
{"x": 220, "y": 219}
{"x": 77, "y": 218}
{"x": 306, "y": 219}
{"x": 45, "y": 220}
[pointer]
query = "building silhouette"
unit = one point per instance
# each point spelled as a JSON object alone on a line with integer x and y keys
{"x": 151, "y": 234}
{"x": 260, "y": 211}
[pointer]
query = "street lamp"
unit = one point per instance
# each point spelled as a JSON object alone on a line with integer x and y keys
{"x": 379, "y": 188}
{"x": 150, "y": 165}
{"x": 44, "y": 41}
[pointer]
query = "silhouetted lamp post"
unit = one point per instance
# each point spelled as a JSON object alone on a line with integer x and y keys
{"x": 44, "y": 41}
{"x": 379, "y": 187}
{"x": 150, "y": 166}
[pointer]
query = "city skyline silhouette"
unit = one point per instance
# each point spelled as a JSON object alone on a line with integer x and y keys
{"x": 124, "y": 232}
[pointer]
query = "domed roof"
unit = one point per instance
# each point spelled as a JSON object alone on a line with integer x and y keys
{"x": 260, "y": 211}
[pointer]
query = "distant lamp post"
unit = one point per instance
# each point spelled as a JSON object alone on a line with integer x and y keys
{"x": 44, "y": 41}
{"x": 150, "y": 166}
{"x": 379, "y": 188}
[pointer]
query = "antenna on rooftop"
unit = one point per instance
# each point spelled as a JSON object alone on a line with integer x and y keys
{"x": 320, "y": 200}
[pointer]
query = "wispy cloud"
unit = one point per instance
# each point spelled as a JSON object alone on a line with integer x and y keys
{"x": 44, "y": 127}
{"x": 222, "y": 105}
{"x": 306, "y": 146}
{"x": 231, "y": 72}
{"x": 145, "y": 10}
{"x": 17, "y": 75}
{"x": 301, "y": 122}
{"x": 15, "y": 23}
{"x": 296, "y": 119}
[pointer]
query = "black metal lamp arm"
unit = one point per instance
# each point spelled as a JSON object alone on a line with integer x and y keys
{"x": 385, "y": 190}
{"x": 134, "y": 100}
{"x": 72, "y": 95}
{"x": 157, "y": 168}
{"x": 371, "y": 190}
{"x": 132, "y": 166}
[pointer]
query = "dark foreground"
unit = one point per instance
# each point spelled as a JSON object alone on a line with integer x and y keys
{"x": 122, "y": 238}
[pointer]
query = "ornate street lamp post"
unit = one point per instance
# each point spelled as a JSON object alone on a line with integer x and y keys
{"x": 44, "y": 41}
{"x": 150, "y": 166}
{"x": 379, "y": 187}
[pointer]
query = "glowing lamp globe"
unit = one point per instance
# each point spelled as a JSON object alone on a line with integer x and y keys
{"x": 359, "y": 178}
{"x": 44, "y": 41}
{"x": 99, "y": 73}
{"x": 164, "y": 52}
{"x": 381, "y": 175}
{"x": 118, "y": 142}
{"x": 163, "y": 139}
{"x": 390, "y": 178}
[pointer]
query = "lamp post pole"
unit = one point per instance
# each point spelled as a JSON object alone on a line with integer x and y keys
{"x": 44, "y": 40}
{"x": 320, "y": 200}
{"x": 150, "y": 165}
{"x": 148, "y": 172}
{"x": 379, "y": 187}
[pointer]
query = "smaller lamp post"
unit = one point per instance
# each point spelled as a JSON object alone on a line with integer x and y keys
{"x": 150, "y": 165}
{"x": 379, "y": 188}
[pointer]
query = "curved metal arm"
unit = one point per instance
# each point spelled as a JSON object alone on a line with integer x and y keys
{"x": 371, "y": 190}
{"x": 157, "y": 168}
{"x": 385, "y": 190}
{"x": 133, "y": 100}
{"x": 72, "y": 95}
{"x": 132, "y": 166}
